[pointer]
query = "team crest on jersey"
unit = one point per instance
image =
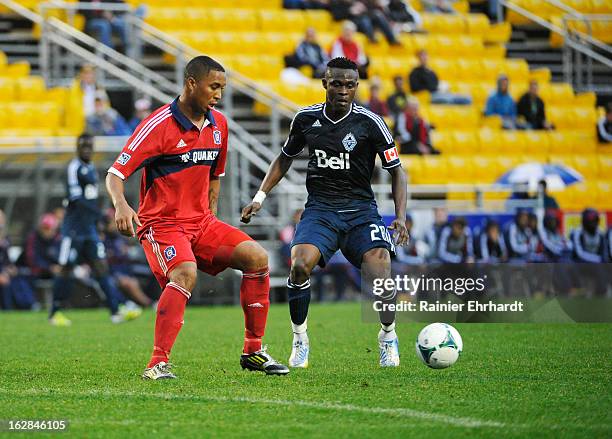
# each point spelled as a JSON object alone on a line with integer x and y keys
{"x": 170, "y": 253}
{"x": 124, "y": 158}
{"x": 217, "y": 137}
{"x": 349, "y": 142}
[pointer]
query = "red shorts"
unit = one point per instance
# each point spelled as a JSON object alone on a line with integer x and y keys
{"x": 209, "y": 244}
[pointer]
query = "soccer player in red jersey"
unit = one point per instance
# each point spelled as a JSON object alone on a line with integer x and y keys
{"x": 182, "y": 147}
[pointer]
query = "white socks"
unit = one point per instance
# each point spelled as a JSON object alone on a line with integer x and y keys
{"x": 299, "y": 332}
{"x": 387, "y": 332}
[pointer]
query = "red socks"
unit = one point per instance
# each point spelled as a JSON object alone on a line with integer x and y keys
{"x": 255, "y": 301}
{"x": 169, "y": 321}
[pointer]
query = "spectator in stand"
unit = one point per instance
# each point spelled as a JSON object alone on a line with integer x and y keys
{"x": 556, "y": 247}
{"x": 120, "y": 264}
{"x": 368, "y": 15}
{"x": 309, "y": 53}
{"x": 403, "y": 16}
{"x": 588, "y": 244}
{"x": 549, "y": 201}
{"x": 376, "y": 104}
{"x": 396, "y": 102}
{"x": 422, "y": 78}
{"x": 142, "y": 109}
{"x": 433, "y": 234}
{"x": 103, "y": 23}
{"x": 409, "y": 254}
{"x": 604, "y": 125}
{"x": 412, "y": 132}
{"x": 89, "y": 87}
{"x": 305, "y": 4}
{"x": 609, "y": 244}
{"x": 501, "y": 104}
{"x": 105, "y": 121}
{"x": 43, "y": 247}
{"x": 519, "y": 238}
{"x": 347, "y": 47}
{"x": 438, "y": 6}
{"x": 455, "y": 243}
{"x": 15, "y": 290}
{"x": 530, "y": 108}
{"x": 490, "y": 246}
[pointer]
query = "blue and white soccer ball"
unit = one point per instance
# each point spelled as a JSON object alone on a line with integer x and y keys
{"x": 439, "y": 345}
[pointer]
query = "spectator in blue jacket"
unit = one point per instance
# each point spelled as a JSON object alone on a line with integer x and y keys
{"x": 490, "y": 246}
{"x": 106, "y": 121}
{"x": 519, "y": 238}
{"x": 43, "y": 247}
{"x": 309, "y": 53}
{"x": 501, "y": 104}
{"x": 455, "y": 243}
{"x": 588, "y": 244}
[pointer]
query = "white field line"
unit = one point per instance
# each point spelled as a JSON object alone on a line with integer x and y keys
{"x": 400, "y": 412}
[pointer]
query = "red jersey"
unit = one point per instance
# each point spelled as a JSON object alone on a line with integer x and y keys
{"x": 178, "y": 160}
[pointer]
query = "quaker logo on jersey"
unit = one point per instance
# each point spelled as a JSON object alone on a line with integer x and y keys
{"x": 349, "y": 142}
{"x": 170, "y": 253}
{"x": 217, "y": 137}
{"x": 124, "y": 158}
{"x": 199, "y": 156}
{"x": 391, "y": 154}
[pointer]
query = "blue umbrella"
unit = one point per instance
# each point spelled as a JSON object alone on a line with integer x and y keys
{"x": 556, "y": 176}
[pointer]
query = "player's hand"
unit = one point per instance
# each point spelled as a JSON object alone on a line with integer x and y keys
{"x": 400, "y": 231}
{"x": 124, "y": 218}
{"x": 249, "y": 210}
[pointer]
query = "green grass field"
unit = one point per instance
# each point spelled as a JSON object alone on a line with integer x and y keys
{"x": 520, "y": 380}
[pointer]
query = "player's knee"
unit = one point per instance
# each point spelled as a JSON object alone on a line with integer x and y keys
{"x": 376, "y": 263}
{"x": 300, "y": 272}
{"x": 185, "y": 275}
{"x": 252, "y": 255}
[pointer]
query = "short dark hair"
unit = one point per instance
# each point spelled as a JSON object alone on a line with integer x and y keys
{"x": 342, "y": 63}
{"x": 200, "y": 66}
{"x": 85, "y": 139}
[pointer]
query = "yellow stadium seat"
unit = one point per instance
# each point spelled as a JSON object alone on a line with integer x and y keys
{"x": 586, "y": 99}
{"x": 536, "y": 141}
{"x": 467, "y": 69}
{"x": 506, "y": 163}
{"x": 585, "y": 142}
{"x": 489, "y": 141}
{"x": 490, "y": 69}
{"x": 477, "y": 24}
{"x": 443, "y": 23}
{"x": 465, "y": 142}
{"x": 238, "y": 20}
{"x": 498, "y": 33}
{"x": 270, "y": 67}
{"x": 287, "y": 20}
{"x": 560, "y": 117}
{"x": 583, "y": 117}
{"x": 435, "y": 170}
{"x": 517, "y": 70}
{"x": 320, "y": 20}
{"x": 47, "y": 115}
{"x": 445, "y": 68}
{"x": 601, "y": 7}
{"x": 20, "y": 115}
{"x": 443, "y": 141}
{"x": 413, "y": 165}
{"x": 228, "y": 42}
{"x": 3, "y": 61}
{"x": 279, "y": 43}
{"x": 561, "y": 94}
{"x": 542, "y": 75}
{"x": 18, "y": 69}
{"x": 486, "y": 168}
{"x": 562, "y": 142}
{"x": 460, "y": 169}
{"x": 30, "y": 88}
{"x": 605, "y": 166}
{"x": 604, "y": 194}
{"x": 7, "y": 89}
{"x": 511, "y": 142}
{"x": 586, "y": 165}
{"x": 248, "y": 66}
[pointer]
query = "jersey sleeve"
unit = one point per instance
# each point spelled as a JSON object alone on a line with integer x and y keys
{"x": 296, "y": 141}
{"x": 384, "y": 143}
{"x": 75, "y": 190}
{"x": 218, "y": 169}
{"x": 144, "y": 144}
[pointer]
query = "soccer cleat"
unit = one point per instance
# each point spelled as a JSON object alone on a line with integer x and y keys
{"x": 161, "y": 371}
{"x": 130, "y": 311}
{"x": 389, "y": 352}
{"x": 60, "y": 320}
{"x": 299, "y": 354}
{"x": 261, "y": 361}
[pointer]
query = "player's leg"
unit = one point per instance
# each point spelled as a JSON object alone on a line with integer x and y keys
{"x": 368, "y": 246}
{"x": 220, "y": 246}
{"x": 172, "y": 261}
{"x": 62, "y": 285}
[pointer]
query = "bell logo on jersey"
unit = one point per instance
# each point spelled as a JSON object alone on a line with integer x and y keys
{"x": 349, "y": 142}
{"x": 342, "y": 162}
{"x": 391, "y": 154}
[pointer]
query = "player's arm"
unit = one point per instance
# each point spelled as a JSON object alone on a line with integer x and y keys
{"x": 213, "y": 193}
{"x": 124, "y": 214}
{"x": 400, "y": 194}
{"x": 278, "y": 168}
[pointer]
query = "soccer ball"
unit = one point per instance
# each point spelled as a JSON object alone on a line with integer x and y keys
{"x": 439, "y": 345}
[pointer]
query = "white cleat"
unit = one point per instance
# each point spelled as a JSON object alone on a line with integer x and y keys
{"x": 299, "y": 353}
{"x": 389, "y": 352}
{"x": 161, "y": 371}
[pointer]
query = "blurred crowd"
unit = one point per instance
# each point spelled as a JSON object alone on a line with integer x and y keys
{"x": 26, "y": 276}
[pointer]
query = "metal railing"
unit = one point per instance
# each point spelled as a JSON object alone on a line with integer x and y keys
{"x": 579, "y": 48}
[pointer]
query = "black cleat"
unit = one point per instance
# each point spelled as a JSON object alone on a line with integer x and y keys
{"x": 261, "y": 361}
